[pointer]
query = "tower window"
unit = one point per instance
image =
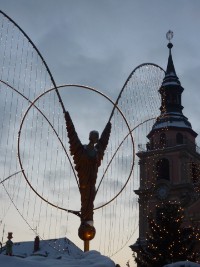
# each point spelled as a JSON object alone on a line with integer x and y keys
{"x": 179, "y": 138}
{"x": 162, "y": 169}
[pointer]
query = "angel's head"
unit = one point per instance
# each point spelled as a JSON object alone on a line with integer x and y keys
{"x": 94, "y": 137}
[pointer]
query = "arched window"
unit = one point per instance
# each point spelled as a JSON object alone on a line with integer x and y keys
{"x": 179, "y": 138}
{"x": 162, "y": 169}
{"x": 163, "y": 139}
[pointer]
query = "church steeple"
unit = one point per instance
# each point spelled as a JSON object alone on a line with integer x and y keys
{"x": 171, "y": 115}
{"x": 170, "y": 65}
{"x": 169, "y": 167}
{"x": 171, "y": 88}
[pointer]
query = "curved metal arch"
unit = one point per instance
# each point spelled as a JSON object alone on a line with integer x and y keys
{"x": 40, "y": 55}
{"x": 32, "y": 104}
{"x": 10, "y": 176}
{"x": 19, "y": 135}
{"x": 127, "y": 80}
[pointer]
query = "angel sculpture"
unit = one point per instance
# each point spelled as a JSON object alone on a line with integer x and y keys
{"x": 87, "y": 159}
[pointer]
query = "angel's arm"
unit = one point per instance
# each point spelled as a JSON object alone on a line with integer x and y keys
{"x": 103, "y": 141}
{"x": 75, "y": 143}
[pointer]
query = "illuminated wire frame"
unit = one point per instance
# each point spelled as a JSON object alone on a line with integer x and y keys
{"x": 45, "y": 132}
{"x": 33, "y": 113}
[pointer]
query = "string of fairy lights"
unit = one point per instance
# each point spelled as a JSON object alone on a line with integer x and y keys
{"x": 39, "y": 214}
{"x": 30, "y": 73}
{"x": 168, "y": 240}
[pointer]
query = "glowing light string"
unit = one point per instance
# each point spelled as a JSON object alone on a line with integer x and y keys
{"x": 126, "y": 111}
{"x": 128, "y": 79}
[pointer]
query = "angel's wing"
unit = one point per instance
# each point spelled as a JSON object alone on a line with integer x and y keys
{"x": 74, "y": 141}
{"x": 103, "y": 141}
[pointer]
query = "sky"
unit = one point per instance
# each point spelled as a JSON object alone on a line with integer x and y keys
{"x": 99, "y": 43}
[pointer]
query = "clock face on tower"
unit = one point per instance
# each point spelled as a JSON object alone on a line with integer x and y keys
{"x": 162, "y": 191}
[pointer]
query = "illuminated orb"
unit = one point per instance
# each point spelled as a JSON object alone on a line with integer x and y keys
{"x": 86, "y": 232}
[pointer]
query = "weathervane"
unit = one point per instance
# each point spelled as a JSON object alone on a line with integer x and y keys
{"x": 169, "y": 35}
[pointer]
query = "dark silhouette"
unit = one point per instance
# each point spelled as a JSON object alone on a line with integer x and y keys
{"x": 87, "y": 159}
{"x": 9, "y": 245}
{"x": 36, "y": 244}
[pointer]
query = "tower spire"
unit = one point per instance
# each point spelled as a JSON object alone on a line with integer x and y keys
{"x": 170, "y": 65}
{"x": 171, "y": 98}
{"x": 171, "y": 88}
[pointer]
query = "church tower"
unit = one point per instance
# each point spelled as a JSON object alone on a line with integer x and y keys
{"x": 170, "y": 166}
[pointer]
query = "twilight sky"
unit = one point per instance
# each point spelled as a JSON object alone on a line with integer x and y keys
{"x": 98, "y": 43}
